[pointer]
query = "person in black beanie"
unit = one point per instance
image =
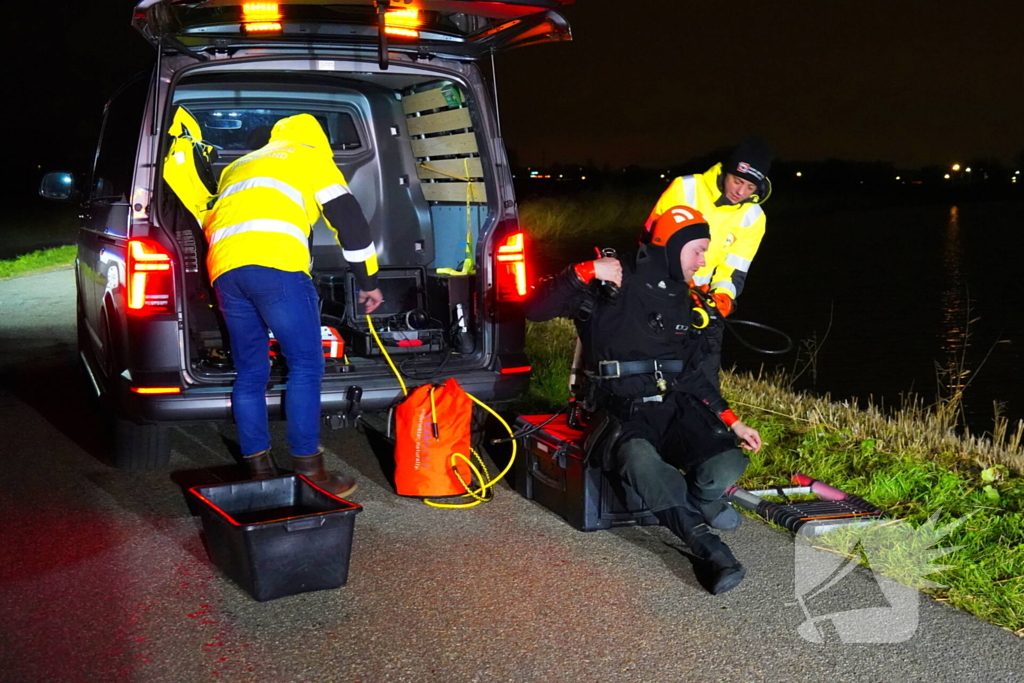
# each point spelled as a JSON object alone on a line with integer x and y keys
{"x": 652, "y": 410}
{"x": 730, "y": 195}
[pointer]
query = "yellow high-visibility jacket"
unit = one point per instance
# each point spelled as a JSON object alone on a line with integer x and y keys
{"x": 269, "y": 200}
{"x": 180, "y": 165}
{"x": 736, "y": 230}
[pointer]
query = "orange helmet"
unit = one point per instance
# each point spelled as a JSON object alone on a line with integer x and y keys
{"x": 665, "y": 241}
{"x": 674, "y": 220}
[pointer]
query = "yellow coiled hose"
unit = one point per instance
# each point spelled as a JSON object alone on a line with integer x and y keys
{"x": 482, "y": 494}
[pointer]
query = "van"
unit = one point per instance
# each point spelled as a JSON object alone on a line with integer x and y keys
{"x": 399, "y": 90}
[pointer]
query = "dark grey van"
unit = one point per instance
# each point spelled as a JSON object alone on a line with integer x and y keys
{"x": 413, "y": 128}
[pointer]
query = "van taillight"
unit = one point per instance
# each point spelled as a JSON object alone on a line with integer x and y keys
{"x": 510, "y": 268}
{"x": 150, "y": 279}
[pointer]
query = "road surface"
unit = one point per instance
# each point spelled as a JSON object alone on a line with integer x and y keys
{"x": 104, "y": 576}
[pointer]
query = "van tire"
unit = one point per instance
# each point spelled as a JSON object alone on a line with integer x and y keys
{"x": 140, "y": 447}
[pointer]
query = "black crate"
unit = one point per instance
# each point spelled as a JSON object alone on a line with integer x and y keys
{"x": 277, "y": 537}
{"x": 550, "y": 470}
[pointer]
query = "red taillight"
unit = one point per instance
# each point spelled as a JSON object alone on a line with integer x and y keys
{"x": 150, "y": 280}
{"x": 510, "y": 268}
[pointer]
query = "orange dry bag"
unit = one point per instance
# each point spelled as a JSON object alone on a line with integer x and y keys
{"x": 431, "y": 424}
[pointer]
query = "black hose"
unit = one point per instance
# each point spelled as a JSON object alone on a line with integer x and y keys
{"x": 526, "y": 432}
{"x": 786, "y": 349}
{"x": 414, "y": 373}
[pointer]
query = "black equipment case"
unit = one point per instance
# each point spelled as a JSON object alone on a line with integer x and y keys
{"x": 552, "y": 470}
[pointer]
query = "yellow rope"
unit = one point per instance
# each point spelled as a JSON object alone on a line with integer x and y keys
{"x": 445, "y": 173}
{"x": 467, "y": 265}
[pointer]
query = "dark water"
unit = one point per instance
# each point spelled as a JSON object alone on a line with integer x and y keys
{"x": 899, "y": 286}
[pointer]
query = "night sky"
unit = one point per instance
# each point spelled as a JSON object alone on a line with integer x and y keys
{"x": 912, "y": 82}
{"x": 650, "y": 83}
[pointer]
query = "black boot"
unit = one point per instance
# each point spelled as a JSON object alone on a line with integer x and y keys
{"x": 716, "y": 568}
{"x": 312, "y": 468}
{"x": 261, "y": 465}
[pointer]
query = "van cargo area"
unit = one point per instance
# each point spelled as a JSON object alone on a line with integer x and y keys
{"x": 413, "y": 126}
{"x": 408, "y": 147}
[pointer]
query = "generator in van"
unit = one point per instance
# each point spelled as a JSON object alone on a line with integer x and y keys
{"x": 412, "y": 124}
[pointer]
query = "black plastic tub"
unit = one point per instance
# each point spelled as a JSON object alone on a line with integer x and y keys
{"x": 277, "y": 537}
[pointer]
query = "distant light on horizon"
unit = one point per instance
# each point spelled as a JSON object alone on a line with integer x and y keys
{"x": 946, "y": 176}
{"x": 897, "y": 177}
{"x": 968, "y": 169}
{"x": 799, "y": 174}
{"x": 583, "y": 177}
{"x": 956, "y": 167}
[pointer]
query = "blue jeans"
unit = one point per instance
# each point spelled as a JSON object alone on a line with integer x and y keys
{"x": 255, "y": 299}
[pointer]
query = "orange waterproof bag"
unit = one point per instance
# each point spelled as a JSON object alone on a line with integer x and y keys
{"x": 431, "y": 424}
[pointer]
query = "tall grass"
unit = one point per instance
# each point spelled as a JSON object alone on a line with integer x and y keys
{"x": 569, "y": 227}
{"x": 36, "y": 261}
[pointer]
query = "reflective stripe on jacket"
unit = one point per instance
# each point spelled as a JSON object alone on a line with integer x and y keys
{"x": 736, "y": 230}
{"x": 270, "y": 198}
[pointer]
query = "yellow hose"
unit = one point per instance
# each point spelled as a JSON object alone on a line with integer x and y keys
{"x": 485, "y": 484}
{"x": 373, "y": 331}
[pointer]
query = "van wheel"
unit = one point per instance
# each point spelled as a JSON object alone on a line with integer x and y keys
{"x": 140, "y": 447}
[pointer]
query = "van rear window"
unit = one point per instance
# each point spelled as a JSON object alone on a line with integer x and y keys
{"x": 249, "y": 129}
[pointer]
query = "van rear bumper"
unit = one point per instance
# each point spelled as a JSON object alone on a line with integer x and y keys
{"x": 214, "y": 403}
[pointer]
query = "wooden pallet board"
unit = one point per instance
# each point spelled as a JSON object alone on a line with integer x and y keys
{"x": 454, "y": 192}
{"x": 445, "y": 145}
{"x": 428, "y": 99}
{"x": 453, "y": 119}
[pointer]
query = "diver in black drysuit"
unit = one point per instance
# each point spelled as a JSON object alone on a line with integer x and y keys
{"x": 665, "y": 415}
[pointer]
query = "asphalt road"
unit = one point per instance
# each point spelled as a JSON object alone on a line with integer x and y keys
{"x": 104, "y": 576}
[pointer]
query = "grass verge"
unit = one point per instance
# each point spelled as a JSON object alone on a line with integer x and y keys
{"x": 37, "y": 261}
{"x": 907, "y": 462}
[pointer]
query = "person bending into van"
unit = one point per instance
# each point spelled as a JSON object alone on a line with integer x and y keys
{"x": 259, "y": 233}
{"x": 730, "y": 197}
{"x": 652, "y": 410}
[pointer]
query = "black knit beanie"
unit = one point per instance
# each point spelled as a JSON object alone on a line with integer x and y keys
{"x": 751, "y": 161}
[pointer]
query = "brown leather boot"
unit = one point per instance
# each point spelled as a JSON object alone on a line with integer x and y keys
{"x": 261, "y": 465}
{"x": 312, "y": 467}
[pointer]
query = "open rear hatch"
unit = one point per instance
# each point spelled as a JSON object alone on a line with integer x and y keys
{"x": 447, "y": 28}
{"x": 414, "y": 126}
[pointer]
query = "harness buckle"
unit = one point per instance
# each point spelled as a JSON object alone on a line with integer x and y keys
{"x": 608, "y": 364}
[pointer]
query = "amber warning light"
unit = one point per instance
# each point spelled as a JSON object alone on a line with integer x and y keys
{"x": 402, "y": 22}
{"x": 261, "y": 17}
